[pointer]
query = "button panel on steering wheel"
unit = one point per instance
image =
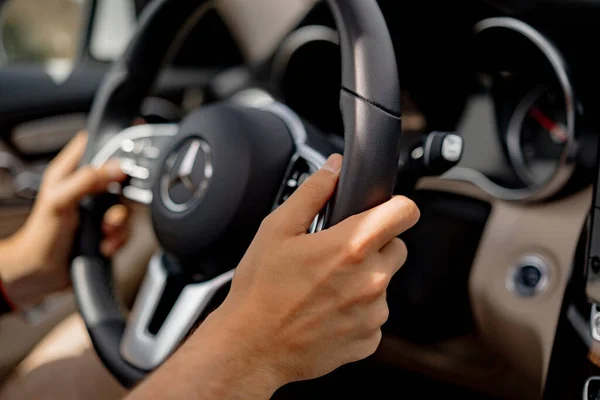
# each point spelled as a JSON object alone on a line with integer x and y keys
{"x": 138, "y": 149}
{"x": 299, "y": 170}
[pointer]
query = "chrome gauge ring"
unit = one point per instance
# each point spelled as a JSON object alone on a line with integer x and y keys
{"x": 540, "y": 136}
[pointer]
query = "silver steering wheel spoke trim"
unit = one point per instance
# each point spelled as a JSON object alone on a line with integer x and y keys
{"x": 145, "y": 350}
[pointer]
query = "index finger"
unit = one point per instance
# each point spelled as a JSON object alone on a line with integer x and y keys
{"x": 373, "y": 229}
{"x": 68, "y": 159}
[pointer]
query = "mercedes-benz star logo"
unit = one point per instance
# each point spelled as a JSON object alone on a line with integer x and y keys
{"x": 185, "y": 182}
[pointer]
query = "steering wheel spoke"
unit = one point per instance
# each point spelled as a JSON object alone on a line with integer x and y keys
{"x": 138, "y": 148}
{"x": 151, "y": 337}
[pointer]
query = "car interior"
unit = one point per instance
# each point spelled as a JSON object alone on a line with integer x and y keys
{"x": 491, "y": 101}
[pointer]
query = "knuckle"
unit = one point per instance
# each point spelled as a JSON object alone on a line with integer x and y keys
{"x": 347, "y": 328}
{"x": 355, "y": 250}
{"x": 408, "y": 209}
{"x": 270, "y": 222}
{"x": 401, "y": 250}
{"x": 376, "y": 286}
{"x": 379, "y": 316}
{"x": 89, "y": 173}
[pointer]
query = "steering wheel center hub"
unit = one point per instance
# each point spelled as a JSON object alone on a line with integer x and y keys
{"x": 216, "y": 183}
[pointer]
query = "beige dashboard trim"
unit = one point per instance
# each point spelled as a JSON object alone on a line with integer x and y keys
{"x": 259, "y": 25}
{"x": 521, "y": 330}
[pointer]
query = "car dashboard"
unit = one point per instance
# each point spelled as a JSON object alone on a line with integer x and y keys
{"x": 503, "y": 235}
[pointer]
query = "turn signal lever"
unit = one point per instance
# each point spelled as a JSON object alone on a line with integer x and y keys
{"x": 432, "y": 155}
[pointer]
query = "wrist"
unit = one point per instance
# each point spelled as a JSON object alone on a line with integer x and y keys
{"x": 240, "y": 357}
{"x": 26, "y": 282}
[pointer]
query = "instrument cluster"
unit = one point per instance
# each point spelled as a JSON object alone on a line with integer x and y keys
{"x": 522, "y": 147}
{"x": 518, "y": 125}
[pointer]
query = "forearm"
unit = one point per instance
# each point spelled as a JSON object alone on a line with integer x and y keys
{"x": 215, "y": 363}
{"x": 25, "y": 284}
{"x": 9, "y": 256}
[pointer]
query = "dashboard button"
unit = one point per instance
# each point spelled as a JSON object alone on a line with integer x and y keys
{"x": 530, "y": 277}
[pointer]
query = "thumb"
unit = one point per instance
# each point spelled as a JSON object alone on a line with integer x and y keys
{"x": 87, "y": 180}
{"x": 309, "y": 199}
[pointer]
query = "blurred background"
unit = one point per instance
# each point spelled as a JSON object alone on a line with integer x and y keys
{"x": 51, "y": 32}
{"x": 38, "y": 31}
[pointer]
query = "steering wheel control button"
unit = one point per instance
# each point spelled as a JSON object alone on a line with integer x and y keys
{"x": 137, "y": 194}
{"x": 139, "y": 172}
{"x": 140, "y": 145}
{"x": 127, "y": 146}
{"x": 529, "y": 277}
{"x": 151, "y": 152}
{"x": 297, "y": 173}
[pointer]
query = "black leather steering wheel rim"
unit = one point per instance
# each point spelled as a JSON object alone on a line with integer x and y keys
{"x": 369, "y": 102}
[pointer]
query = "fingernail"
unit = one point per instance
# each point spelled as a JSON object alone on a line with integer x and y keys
{"x": 113, "y": 169}
{"x": 333, "y": 164}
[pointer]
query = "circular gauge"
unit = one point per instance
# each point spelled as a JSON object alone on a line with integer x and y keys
{"x": 537, "y": 136}
{"x": 534, "y": 114}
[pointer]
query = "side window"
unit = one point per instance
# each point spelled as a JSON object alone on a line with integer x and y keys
{"x": 113, "y": 25}
{"x": 51, "y": 32}
{"x": 41, "y": 32}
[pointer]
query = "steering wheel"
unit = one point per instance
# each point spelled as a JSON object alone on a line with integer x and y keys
{"x": 210, "y": 180}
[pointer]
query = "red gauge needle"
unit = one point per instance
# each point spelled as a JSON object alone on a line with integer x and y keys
{"x": 555, "y": 129}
